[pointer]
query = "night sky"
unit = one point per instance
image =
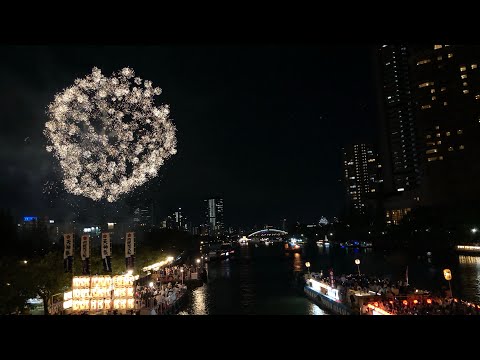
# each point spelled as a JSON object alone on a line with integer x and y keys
{"x": 260, "y": 125}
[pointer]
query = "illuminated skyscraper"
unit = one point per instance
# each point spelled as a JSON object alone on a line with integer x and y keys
{"x": 214, "y": 216}
{"x": 360, "y": 167}
{"x": 398, "y": 142}
{"x": 446, "y": 89}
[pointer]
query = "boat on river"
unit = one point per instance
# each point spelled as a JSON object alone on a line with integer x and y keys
{"x": 339, "y": 301}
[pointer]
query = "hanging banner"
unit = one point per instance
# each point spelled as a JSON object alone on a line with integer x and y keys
{"x": 130, "y": 250}
{"x": 106, "y": 252}
{"x": 129, "y": 244}
{"x": 85, "y": 247}
{"x": 68, "y": 252}
{"x": 85, "y": 254}
{"x": 106, "y": 245}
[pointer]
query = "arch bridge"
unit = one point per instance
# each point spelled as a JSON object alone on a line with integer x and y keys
{"x": 267, "y": 233}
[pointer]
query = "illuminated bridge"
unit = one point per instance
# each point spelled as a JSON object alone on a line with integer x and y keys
{"x": 267, "y": 234}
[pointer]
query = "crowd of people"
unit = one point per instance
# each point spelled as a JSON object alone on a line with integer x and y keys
{"x": 395, "y": 297}
{"x": 164, "y": 287}
{"x": 414, "y": 305}
{"x": 160, "y": 297}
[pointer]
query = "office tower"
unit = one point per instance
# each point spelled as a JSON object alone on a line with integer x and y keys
{"x": 178, "y": 219}
{"x": 214, "y": 216}
{"x": 143, "y": 216}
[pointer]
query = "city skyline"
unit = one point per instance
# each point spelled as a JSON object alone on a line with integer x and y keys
{"x": 262, "y": 126}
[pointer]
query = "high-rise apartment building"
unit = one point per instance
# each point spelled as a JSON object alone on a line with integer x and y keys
{"x": 446, "y": 89}
{"x": 398, "y": 142}
{"x": 360, "y": 167}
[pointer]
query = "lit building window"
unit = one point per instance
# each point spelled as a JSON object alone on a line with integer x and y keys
{"x": 450, "y": 56}
{"x": 439, "y": 142}
{"x": 438, "y": 135}
{"x": 440, "y": 158}
{"x": 436, "y": 47}
{"x": 463, "y": 76}
{"x": 425, "y": 84}
{"x": 395, "y": 216}
{"x": 448, "y": 133}
{"x": 430, "y": 143}
{"x": 461, "y": 147}
{"x": 450, "y": 148}
{"x": 443, "y": 88}
{"x": 477, "y": 97}
{"x": 459, "y": 132}
{"x": 432, "y": 159}
{"x": 430, "y": 136}
{"x": 431, "y": 151}
{"x": 445, "y": 103}
{"x": 474, "y": 66}
{"x": 466, "y": 91}
{"x": 437, "y": 127}
{"x": 425, "y": 61}
{"x": 465, "y": 84}
{"x": 434, "y": 98}
{"x": 428, "y": 106}
{"x": 439, "y": 58}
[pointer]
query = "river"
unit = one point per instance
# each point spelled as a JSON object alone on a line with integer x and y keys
{"x": 259, "y": 280}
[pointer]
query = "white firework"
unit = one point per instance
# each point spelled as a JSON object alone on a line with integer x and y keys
{"x": 108, "y": 135}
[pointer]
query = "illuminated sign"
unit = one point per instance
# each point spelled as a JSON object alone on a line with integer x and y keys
{"x": 30, "y": 218}
{"x": 51, "y": 221}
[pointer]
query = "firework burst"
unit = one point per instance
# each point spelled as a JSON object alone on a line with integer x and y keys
{"x": 108, "y": 135}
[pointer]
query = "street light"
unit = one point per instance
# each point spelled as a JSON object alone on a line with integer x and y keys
{"x": 25, "y": 261}
{"x": 448, "y": 276}
{"x": 307, "y": 264}
{"x": 474, "y": 230}
{"x": 357, "y": 261}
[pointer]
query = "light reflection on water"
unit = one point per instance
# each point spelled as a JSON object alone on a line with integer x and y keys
{"x": 315, "y": 310}
{"x": 199, "y": 301}
{"x": 260, "y": 280}
{"x": 297, "y": 262}
{"x": 469, "y": 268}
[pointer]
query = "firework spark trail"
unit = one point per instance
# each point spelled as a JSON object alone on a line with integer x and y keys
{"x": 108, "y": 135}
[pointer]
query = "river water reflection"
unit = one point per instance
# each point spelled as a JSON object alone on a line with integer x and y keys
{"x": 259, "y": 280}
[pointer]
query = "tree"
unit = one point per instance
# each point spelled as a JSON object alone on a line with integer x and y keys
{"x": 49, "y": 277}
{"x": 15, "y": 286}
